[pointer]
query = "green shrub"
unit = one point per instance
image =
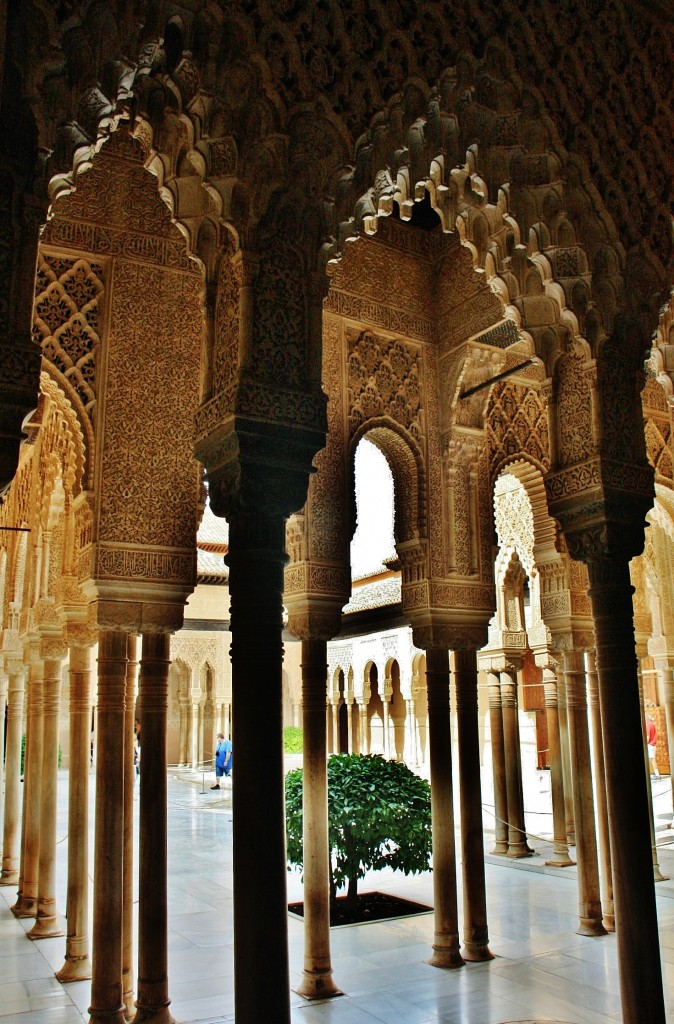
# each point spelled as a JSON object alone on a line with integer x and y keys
{"x": 379, "y": 816}
{"x": 292, "y": 740}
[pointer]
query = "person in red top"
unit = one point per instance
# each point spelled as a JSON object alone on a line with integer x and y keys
{"x": 652, "y": 741}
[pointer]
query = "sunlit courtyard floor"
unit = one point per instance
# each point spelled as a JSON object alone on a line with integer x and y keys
{"x": 542, "y": 969}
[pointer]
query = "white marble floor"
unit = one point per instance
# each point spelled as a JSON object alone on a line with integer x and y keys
{"x": 542, "y": 969}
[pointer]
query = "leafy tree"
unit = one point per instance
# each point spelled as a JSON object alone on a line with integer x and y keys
{"x": 379, "y": 815}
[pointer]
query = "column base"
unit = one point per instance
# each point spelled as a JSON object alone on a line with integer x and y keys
{"x": 608, "y": 920}
{"x": 520, "y": 850}
{"x": 156, "y": 1014}
{"x": 447, "y": 957}
{"x": 658, "y": 875}
{"x": 590, "y": 926}
{"x": 317, "y": 985}
{"x": 75, "y": 969}
{"x": 9, "y": 878}
{"x": 115, "y": 1016}
{"x": 25, "y": 906}
{"x": 500, "y": 849}
{"x": 46, "y": 927}
{"x": 560, "y": 860}
{"x": 476, "y": 952}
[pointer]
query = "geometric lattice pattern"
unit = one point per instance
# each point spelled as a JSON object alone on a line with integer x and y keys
{"x": 65, "y": 320}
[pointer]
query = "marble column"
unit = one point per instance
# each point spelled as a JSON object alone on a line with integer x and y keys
{"x": 153, "y": 999}
{"x": 657, "y": 873}
{"x": 335, "y": 728}
{"x": 349, "y": 724}
{"x": 567, "y": 767}
{"x": 498, "y": 764}
{"x": 446, "y": 932}
{"x": 107, "y": 1004}
{"x": 128, "y": 973}
{"x": 4, "y": 689}
{"x": 49, "y": 922}
{"x": 317, "y": 981}
{"x": 386, "y": 725}
{"x": 194, "y": 736}
{"x": 668, "y": 687}
{"x": 16, "y": 672}
{"x": 605, "y": 872}
{"x": 633, "y": 888}
{"x": 560, "y": 851}
{"x": 517, "y": 838}
{"x": 364, "y": 730}
{"x": 589, "y": 900}
{"x": 77, "y": 966}
{"x": 256, "y": 559}
{"x": 26, "y": 901}
{"x": 475, "y": 929}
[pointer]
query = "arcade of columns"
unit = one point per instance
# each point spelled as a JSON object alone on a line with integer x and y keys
{"x": 251, "y": 210}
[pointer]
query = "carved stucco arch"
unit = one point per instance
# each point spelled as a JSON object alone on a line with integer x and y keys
{"x": 406, "y": 463}
{"x": 239, "y": 63}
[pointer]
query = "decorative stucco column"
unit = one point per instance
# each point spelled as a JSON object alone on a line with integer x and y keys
{"x": 317, "y": 981}
{"x": 475, "y": 929}
{"x": 77, "y": 966}
{"x": 517, "y": 838}
{"x": 633, "y": 888}
{"x": 107, "y": 1004}
{"x": 446, "y": 933}
{"x": 128, "y": 973}
{"x": 153, "y": 998}
{"x": 498, "y": 764}
{"x": 26, "y": 902}
{"x": 560, "y": 851}
{"x": 48, "y": 922}
{"x": 605, "y": 872}
{"x": 16, "y": 672}
{"x": 4, "y": 688}
{"x": 589, "y": 901}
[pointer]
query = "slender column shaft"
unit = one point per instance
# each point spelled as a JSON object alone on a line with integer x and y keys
{"x": 128, "y": 974}
{"x": 605, "y": 872}
{"x": 446, "y": 938}
{"x": 77, "y": 966}
{"x": 657, "y": 874}
{"x": 498, "y": 765}
{"x": 386, "y": 720}
{"x": 26, "y": 903}
{"x": 4, "y": 688}
{"x": 12, "y": 817}
{"x": 567, "y": 767}
{"x": 317, "y": 980}
{"x": 349, "y": 722}
{"x": 475, "y": 929}
{"x": 153, "y": 998}
{"x": 517, "y": 839}
{"x": 364, "y": 730}
{"x": 107, "y": 1006}
{"x": 256, "y": 560}
{"x": 669, "y": 713}
{"x": 589, "y": 901}
{"x": 335, "y": 727}
{"x": 634, "y": 893}
{"x": 560, "y": 855}
{"x": 194, "y": 744}
{"x": 49, "y": 922}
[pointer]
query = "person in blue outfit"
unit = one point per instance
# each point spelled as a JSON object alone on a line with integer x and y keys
{"x": 223, "y": 759}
